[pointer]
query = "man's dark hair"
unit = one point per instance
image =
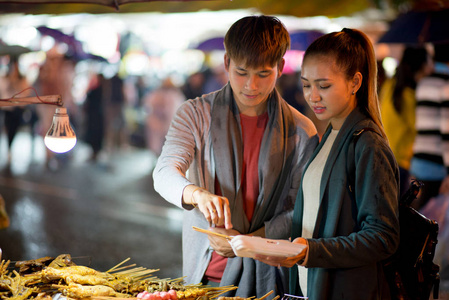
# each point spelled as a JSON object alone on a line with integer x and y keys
{"x": 257, "y": 41}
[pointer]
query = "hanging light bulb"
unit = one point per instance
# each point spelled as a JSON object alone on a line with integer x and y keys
{"x": 60, "y": 137}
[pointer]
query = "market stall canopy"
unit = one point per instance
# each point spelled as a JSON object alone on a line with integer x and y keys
{"x": 300, "y": 8}
{"x": 418, "y": 27}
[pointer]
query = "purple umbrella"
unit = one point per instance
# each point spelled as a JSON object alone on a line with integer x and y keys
{"x": 211, "y": 44}
{"x": 301, "y": 39}
{"x": 75, "y": 47}
{"x": 61, "y": 37}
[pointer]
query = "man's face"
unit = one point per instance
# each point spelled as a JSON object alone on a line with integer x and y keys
{"x": 252, "y": 86}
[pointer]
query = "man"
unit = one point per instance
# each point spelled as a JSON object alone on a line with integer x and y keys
{"x": 245, "y": 149}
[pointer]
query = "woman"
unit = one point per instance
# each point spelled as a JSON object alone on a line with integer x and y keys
{"x": 398, "y": 105}
{"x": 349, "y": 225}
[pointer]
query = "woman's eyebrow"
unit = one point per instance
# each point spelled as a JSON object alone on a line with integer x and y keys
{"x": 316, "y": 80}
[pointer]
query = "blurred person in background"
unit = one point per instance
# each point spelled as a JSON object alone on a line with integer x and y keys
{"x": 194, "y": 85}
{"x": 398, "y": 106}
{"x": 216, "y": 79}
{"x": 114, "y": 103}
{"x": 430, "y": 162}
{"x": 160, "y": 105}
{"x": 14, "y": 84}
{"x": 244, "y": 148}
{"x": 94, "y": 115}
{"x": 289, "y": 85}
{"x": 56, "y": 77}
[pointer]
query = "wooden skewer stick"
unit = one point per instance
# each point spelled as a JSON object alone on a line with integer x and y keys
{"x": 130, "y": 271}
{"x": 115, "y": 267}
{"x": 266, "y": 295}
{"x": 121, "y": 268}
{"x": 211, "y": 232}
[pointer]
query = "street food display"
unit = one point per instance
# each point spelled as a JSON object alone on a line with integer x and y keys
{"x": 50, "y": 278}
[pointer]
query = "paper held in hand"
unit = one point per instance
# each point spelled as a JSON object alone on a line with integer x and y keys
{"x": 249, "y": 246}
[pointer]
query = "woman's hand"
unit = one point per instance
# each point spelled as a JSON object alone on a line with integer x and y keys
{"x": 220, "y": 244}
{"x": 214, "y": 208}
{"x": 277, "y": 261}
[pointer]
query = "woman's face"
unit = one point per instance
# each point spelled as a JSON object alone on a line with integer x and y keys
{"x": 327, "y": 91}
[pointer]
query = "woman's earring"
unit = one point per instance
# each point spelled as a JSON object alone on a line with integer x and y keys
{"x": 353, "y": 93}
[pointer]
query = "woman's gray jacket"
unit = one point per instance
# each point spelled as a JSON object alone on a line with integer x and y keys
{"x": 352, "y": 237}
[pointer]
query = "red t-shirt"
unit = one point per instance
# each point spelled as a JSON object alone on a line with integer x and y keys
{"x": 253, "y": 129}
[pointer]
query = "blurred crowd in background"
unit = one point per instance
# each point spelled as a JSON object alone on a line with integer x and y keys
{"x": 122, "y": 78}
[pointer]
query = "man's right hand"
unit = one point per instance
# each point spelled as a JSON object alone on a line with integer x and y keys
{"x": 215, "y": 208}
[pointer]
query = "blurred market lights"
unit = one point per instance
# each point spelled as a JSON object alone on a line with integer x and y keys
{"x": 20, "y": 35}
{"x": 179, "y": 62}
{"x": 389, "y": 64}
{"x": 293, "y": 61}
{"x": 101, "y": 38}
{"x": 135, "y": 63}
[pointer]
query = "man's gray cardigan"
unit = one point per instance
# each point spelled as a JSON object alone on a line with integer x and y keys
{"x": 187, "y": 158}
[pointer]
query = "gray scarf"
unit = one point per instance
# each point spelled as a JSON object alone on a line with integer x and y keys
{"x": 252, "y": 277}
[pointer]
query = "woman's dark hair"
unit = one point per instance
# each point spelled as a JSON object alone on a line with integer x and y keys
{"x": 412, "y": 61}
{"x": 257, "y": 41}
{"x": 353, "y": 52}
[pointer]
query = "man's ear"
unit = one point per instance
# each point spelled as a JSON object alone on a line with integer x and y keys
{"x": 281, "y": 67}
{"x": 357, "y": 81}
{"x": 227, "y": 62}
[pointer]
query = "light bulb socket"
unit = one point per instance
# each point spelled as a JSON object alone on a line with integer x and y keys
{"x": 61, "y": 112}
